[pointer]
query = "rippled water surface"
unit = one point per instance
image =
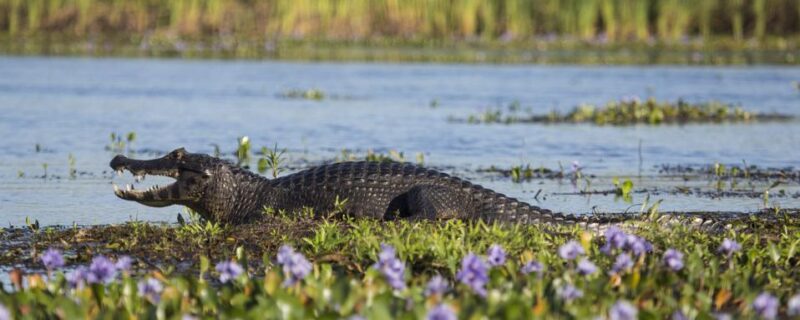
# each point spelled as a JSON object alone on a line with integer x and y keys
{"x": 71, "y": 105}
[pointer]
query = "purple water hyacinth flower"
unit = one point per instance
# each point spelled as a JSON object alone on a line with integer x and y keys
{"x": 766, "y": 306}
{"x": 52, "y": 259}
{"x": 496, "y": 256}
{"x": 441, "y": 312}
{"x": 673, "y": 259}
{"x": 228, "y": 270}
{"x": 124, "y": 263}
{"x": 615, "y": 239}
{"x": 437, "y": 285}
{"x": 722, "y": 316}
{"x": 576, "y": 166}
{"x": 391, "y": 267}
{"x": 5, "y": 314}
{"x": 637, "y": 245}
{"x": 474, "y": 273}
{"x": 729, "y": 247}
{"x": 586, "y": 267}
{"x": 285, "y": 254}
{"x": 678, "y": 315}
{"x": 151, "y": 289}
{"x": 623, "y": 310}
{"x": 793, "y": 306}
{"x": 569, "y": 293}
{"x": 77, "y": 277}
{"x": 570, "y": 250}
{"x": 622, "y": 263}
{"x": 101, "y": 270}
{"x": 295, "y": 265}
{"x": 532, "y": 266}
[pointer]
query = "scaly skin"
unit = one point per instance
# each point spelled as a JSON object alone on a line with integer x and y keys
{"x": 223, "y": 192}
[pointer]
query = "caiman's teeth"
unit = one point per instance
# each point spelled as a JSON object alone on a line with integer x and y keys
{"x": 119, "y": 172}
{"x": 128, "y": 187}
{"x": 116, "y": 189}
{"x": 138, "y": 178}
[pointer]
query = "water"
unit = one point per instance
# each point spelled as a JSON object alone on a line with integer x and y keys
{"x": 71, "y": 105}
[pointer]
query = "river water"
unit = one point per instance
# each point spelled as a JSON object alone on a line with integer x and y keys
{"x": 70, "y": 106}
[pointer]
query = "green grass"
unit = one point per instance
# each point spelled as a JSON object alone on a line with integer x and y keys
{"x": 343, "y": 282}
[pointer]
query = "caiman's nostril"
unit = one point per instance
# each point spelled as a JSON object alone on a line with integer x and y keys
{"x": 118, "y": 162}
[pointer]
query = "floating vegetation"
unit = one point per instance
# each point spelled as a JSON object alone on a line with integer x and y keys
{"x": 119, "y": 143}
{"x": 628, "y": 112}
{"x": 299, "y": 267}
{"x": 308, "y": 94}
{"x": 372, "y": 156}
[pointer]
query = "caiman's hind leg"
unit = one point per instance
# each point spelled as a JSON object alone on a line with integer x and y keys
{"x": 427, "y": 202}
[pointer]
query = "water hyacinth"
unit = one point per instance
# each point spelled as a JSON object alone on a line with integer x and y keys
{"x": 623, "y": 310}
{"x": 637, "y": 245}
{"x": 673, "y": 259}
{"x": 793, "y": 306}
{"x": 77, "y": 277}
{"x": 496, "y": 256}
{"x": 5, "y": 314}
{"x": 570, "y": 250}
{"x": 531, "y": 267}
{"x": 474, "y": 273}
{"x": 391, "y": 267}
{"x": 615, "y": 239}
{"x": 101, "y": 270}
{"x": 124, "y": 263}
{"x": 437, "y": 285}
{"x": 52, "y": 259}
{"x": 766, "y": 306}
{"x": 295, "y": 266}
{"x": 228, "y": 270}
{"x": 150, "y": 289}
{"x": 729, "y": 247}
{"x": 622, "y": 263}
{"x": 569, "y": 292}
{"x": 586, "y": 267}
{"x": 678, "y": 315}
{"x": 441, "y": 312}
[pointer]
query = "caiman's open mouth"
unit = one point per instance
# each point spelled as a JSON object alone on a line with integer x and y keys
{"x": 154, "y": 196}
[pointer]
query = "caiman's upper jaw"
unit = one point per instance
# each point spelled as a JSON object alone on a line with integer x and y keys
{"x": 155, "y": 196}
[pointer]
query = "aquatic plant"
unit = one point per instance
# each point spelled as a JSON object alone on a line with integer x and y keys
{"x": 309, "y": 94}
{"x": 629, "y": 111}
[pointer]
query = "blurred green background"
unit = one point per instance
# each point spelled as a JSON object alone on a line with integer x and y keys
{"x": 246, "y": 28}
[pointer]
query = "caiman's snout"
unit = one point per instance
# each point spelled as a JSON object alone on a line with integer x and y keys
{"x": 119, "y": 163}
{"x": 156, "y": 196}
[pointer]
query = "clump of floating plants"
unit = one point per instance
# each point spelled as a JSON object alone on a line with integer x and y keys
{"x": 297, "y": 266}
{"x": 308, "y": 94}
{"x": 628, "y": 111}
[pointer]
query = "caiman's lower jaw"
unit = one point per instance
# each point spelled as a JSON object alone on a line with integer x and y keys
{"x": 154, "y": 196}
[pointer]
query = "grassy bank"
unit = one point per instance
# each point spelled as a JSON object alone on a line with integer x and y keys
{"x": 543, "y": 31}
{"x": 541, "y": 271}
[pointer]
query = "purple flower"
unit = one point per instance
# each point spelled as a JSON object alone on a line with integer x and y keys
{"x": 150, "y": 289}
{"x": 570, "y": 250}
{"x": 615, "y": 239}
{"x": 673, "y": 259}
{"x": 6, "y": 315}
{"x": 729, "y": 247}
{"x": 793, "y": 306}
{"x": 766, "y": 306}
{"x": 295, "y": 266}
{"x": 78, "y": 277}
{"x": 678, "y": 315}
{"x": 496, "y": 255}
{"x": 101, "y": 270}
{"x": 637, "y": 245}
{"x": 576, "y": 166}
{"x": 391, "y": 267}
{"x": 532, "y": 266}
{"x": 623, "y": 310}
{"x": 52, "y": 259}
{"x": 436, "y": 286}
{"x": 124, "y": 263}
{"x": 622, "y": 263}
{"x": 474, "y": 273}
{"x": 722, "y": 316}
{"x": 569, "y": 293}
{"x": 228, "y": 270}
{"x": 441, "y": 312}
{"x": 586, "y": 267}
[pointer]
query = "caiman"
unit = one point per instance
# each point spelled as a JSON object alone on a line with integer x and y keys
{"x": 221, "y": 191}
